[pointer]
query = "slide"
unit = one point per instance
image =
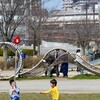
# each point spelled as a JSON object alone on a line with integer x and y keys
{"x": 89, "y": 66}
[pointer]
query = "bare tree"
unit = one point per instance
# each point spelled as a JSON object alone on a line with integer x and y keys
{"x": 34, "y": 22}
{"x": 96, "y": 38}
{"x": 38, "y": 17}
{"x": 12, "y": 14}
{"x": 84, "y": 31}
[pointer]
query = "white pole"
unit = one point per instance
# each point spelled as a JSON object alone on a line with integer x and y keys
{"x": 16, "y": 58}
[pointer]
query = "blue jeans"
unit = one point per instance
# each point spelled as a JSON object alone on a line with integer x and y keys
{"x": 14, "y": 98}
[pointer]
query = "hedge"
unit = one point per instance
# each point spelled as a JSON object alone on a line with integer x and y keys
{"x": 10, "y": 53}
{"x": 29, "y": 52}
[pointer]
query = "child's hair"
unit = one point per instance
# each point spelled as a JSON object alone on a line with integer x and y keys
{"x": 78, "y": 50}
{"x": 53, "y": 81}
{"x": 11, "y": 81}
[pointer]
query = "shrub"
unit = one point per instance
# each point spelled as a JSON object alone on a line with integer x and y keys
{"x": 11, "y": 64}
{"x": 2, "y": 66}
{"x": 9, "y": 52}
{"x": 30, "y": 61}
{"x": 7, "y": 65}
{"x": 29, "y": 52}
{"x": 1, "y": 52}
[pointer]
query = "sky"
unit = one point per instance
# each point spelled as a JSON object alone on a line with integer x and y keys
{"x": 53, "y": 4}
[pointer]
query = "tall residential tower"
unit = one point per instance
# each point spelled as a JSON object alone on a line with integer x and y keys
{"x": 67, "y": 4}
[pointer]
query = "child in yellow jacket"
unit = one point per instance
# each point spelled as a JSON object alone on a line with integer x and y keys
{"x": 54, "y": 90}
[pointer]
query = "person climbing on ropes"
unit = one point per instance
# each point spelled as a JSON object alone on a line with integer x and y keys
{"x": 54, "y": 90}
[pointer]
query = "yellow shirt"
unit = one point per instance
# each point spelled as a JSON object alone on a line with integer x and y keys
{"x": 55, "y": 93}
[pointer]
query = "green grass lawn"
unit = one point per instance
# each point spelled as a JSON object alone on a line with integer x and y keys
{"x": 30, "y": 96}
{"x": 98, "y": 64}
{"x": 34, "y": 78}
{"x": 86, "y": 76}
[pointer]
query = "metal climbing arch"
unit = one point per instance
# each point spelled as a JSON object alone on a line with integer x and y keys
{"x": 13, "y": 48}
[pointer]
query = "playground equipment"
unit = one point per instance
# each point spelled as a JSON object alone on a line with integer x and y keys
{"x": 15, "y": 49}
{"x": 39, "y": 69}
{"x": 63, "y": 57}
{"x": 89, "y": 67}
